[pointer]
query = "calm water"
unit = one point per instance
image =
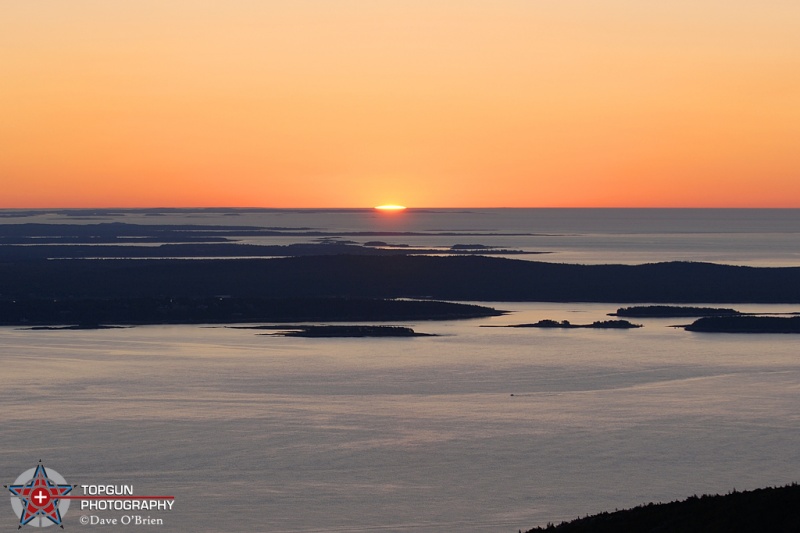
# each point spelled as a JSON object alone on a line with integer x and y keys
{"x": 758, "y": 237}
{"x": 258, "y": 433}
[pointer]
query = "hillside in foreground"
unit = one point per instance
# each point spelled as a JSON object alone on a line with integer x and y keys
{"x": 762, "y": 510}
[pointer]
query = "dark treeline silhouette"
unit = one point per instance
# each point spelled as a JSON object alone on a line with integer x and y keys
{"x": 773, "y": 510}
{"x": 671, "y": 311}
{"x": 746, "y": 324}
{"x": 352, "y": 331}
{"x": 91, "y": 312}
{"x": 353, "y": 276}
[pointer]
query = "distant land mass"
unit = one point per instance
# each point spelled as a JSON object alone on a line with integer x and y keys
{"x": 127, "y": 233}
{"x": 18, "y": 252}
{"x": 773, "y": 510}
{"x": 746, "y": 324}
{"x": 119, "y": 240}
{"x": 460, "y": 278}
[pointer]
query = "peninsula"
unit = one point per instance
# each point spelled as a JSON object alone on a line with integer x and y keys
{"x": 746, "y": 324}
{"x": 92, "y": 313}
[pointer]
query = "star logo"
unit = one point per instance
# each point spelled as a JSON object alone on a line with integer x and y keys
{"x": 36, "y": 497}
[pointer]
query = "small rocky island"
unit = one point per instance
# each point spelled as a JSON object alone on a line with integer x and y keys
{"x": 349, "y": 331}
{"x": 566, "y": 324}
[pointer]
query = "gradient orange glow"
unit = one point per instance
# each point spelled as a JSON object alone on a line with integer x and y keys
{"x": 309, "y": 103}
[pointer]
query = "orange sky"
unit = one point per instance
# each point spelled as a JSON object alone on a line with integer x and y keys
{"x": 447, "y": 103}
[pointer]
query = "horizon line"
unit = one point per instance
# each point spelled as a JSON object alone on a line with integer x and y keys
{"x": 367, "y": 208}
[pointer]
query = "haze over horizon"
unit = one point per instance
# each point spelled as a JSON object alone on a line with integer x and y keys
{"x": 478, "y": 103}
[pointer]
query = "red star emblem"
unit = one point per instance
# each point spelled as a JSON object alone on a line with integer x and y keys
{"x": 39, "y": 497}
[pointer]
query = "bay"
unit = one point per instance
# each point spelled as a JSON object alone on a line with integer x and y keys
{"x": 477, "y": 429}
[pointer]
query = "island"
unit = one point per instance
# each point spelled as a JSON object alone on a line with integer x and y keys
{"x": 746, "y": 324}
{"x": 349, "y": 331}
{"x": 566, "y": 324}
{"x": 672, "y": 311}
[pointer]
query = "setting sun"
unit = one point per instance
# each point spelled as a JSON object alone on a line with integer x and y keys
{"x": 390, "y": 207}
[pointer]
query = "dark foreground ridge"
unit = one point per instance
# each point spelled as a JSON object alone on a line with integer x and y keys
{"x": 769, "y": 510}
{"x": 91, "y": 313}
{"x": 471, "y": 278}
{"x": 746, "y": 324}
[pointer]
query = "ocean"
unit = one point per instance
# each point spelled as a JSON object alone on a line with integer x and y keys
{"x": 474, "y": 430}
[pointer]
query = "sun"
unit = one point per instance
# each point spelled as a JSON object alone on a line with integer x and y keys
{"x": 390, "y": 208}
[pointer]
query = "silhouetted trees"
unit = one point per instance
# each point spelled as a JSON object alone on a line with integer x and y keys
{"x": 773, "y": 510}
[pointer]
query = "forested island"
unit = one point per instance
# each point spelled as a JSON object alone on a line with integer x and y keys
{"x": 672, "y": 311}
{"x": 773, "y": 510}
{"x": 350, "y": 331}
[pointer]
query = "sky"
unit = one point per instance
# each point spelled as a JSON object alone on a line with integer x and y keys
{"x": 425, "y": 103}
